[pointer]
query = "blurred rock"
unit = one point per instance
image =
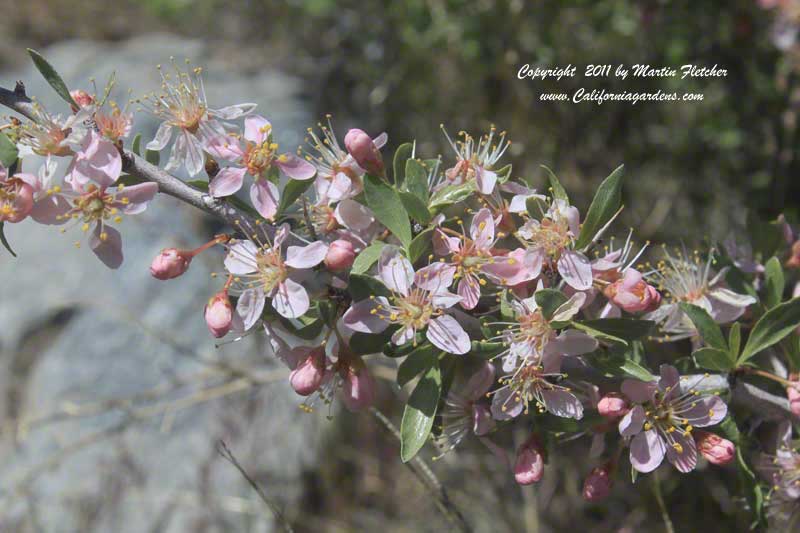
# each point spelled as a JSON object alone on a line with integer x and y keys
{"x": 75, "y": 333}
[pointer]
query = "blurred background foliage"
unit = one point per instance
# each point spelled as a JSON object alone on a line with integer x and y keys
{"x": 693, "y": 169}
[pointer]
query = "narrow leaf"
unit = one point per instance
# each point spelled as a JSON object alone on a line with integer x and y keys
{"x": 8, "y": 151}
{"x": 293, "y": 190}
{"x": 362, "y": 287}
{"x": 419, "y": 414}
{"x": 417, "y": 179}
{"x": 388, "y": 208}
{"x": 714, "y": 359}
{"x": 52, "y": 77}
{"x": 367, "y": 257}
{"x": 420, "y": 245}
{"x": 401, "y": 155}
{"x": 416, "y": 208}
{"x": 627, "y": 329}
{"x": 775, "y": 282}
{"x": 3, "y": 239}
{"x": 776, "y": 324}
{"x": 136, "y": 145}
{"x": 708, "y": 329}
{"x": 735, "y": 340}
{"x": 152, "y": 156}
{"x": 549, "y": 300}
{"x": 558, "y": 190}
{"x": 420, "y": 360}
{"x": 606, "y": 202}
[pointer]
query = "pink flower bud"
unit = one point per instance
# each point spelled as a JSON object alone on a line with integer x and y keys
{"x": 364, "y": 151}
{"x": 358, "y": 389}
{"x": 717, "y": 450}
{"x": 170, "y": 263}
{"x": 632, "y": 293}
{"x": 307, "y": 377}
{"x": 16, "y": 200}
{"x": 612, "y": 406}
{"x": 82, "y": 98}
{"x": 598, "y": 484}
{"x": 340, "y": 255}
{"x": 219, "y": 314}
{"x": 529, "y": 466}
{"x": 794, "y": 258}
{"x": 793, "y": 393}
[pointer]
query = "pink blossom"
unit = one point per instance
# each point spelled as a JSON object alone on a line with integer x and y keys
{"x": 663, "y": 418}
{"x": 714, "y": 448}
{"x": 793, "y": 394}
{"x": 476, "y": 160}
{"x": 340, "y": 255}
{"x": 263, "y": 273}
{"x": 410, "y": 306}
{"x": 255, "y": 155}
{"x": 552, "y": 240}
{"x": 16, "y": 196}
{"x": 612, "y": 406}
{"x": 365, "y": 150}
{"x": 358, "y": 388}
{"x": 782, "y": 468}
{"x": 529, "y": 464}
{"x": 97, "y": 160}
{"x": 308, "y": 376}
{"x": 93, "y": 205}
{"x": 170, "y": 263}
{"x": 338, "y": 174}
{"x": 473, "y": 258}
{"x": 464, "y": 413}
{"x": 597, "y": 486}
{"x": 632, "y": 293}
{"x": 219, "y": 314}
{"x": 687, "y": 279}
{"x": 82, "y": 98}
{"x": 794, "y": 256}
{"x": 182, "y": 106}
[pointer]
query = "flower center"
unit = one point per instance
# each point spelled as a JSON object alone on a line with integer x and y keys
{"x": 271, "y": 270}
{"x": 258, "y": 157}
{"x": 552, "y": 235}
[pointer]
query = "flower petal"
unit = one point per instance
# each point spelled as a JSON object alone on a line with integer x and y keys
{"x": 562, "y": 403}
{"x": 232, "y": 112}
{"x": 295, "y": 167}
{"x": 108, "y": 250}
{"x": 256, "y": 129}
{"x": 647, "y": 451}
{"x": 632, "y": 422}
{"x": 638, "y": 391}
{"x": 435, "y": 277}
{"x": 395, "y": 271}
{"x": 446, "y": 333}
{"x": 485, "y": 179}
{"x": 361, "y": 318}
{"x": 137, "y": 196}
{"x": 506, "y": 404}
{"x": 228, "y": 181}
{"x": 241, "y": 258}
{"x": 470, "y": 291}
{"x": 290, "y": 299}
{"x": 572, "y": 342}
{"x": 265, "y": 196}
{"x": 480, "y": 382}
{"x": 195, "y": 160}
{"x": 684, "y": 455}
{"x": 250, "y": 306}
{"x": 482, "y": 229}
{"x": 306, "y": 256}
{"x": 576, "y": 270}
{"x": 163, "y": 135}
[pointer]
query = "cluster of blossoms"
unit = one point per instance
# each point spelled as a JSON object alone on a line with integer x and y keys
{"x": 553, "y": 320}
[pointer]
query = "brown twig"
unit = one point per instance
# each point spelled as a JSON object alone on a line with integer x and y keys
{"x": 226, "y": 454}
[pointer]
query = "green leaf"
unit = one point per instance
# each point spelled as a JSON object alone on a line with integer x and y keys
{"x": 152, "y": 156}
{"x": 549, "y": 300}
{"x": 606, "y": 203}
{"x": 128, "y": 180}
{"x": 362, "y": 287}
{"x": 776, "y": 324}
{"x": 535, "y": 207}
{"x": 416, "y": 208}
{"x": 293, "y": 190}
{"x": 486, "y": 349}
{"x": 3, "y": 239}
{"x": 369, "y": 343}
{"x": 388, "y": 208}
{"x": 419, "y": 414}
{"x": 420, "y": 360}
{"x": 8, "y": 151}
{"x": 306, "y": 331}
{"x": 136, "y": 145}
{"x": 421, "y": 244}
{"x": 714, "y": 359}
{"x": 617, "y": 329}
{"x": 558, "y": 190}
{"x": 503, "y": 173}
{"x": 450, "y": 195}
{"x": 51, "y": 76}
{"x": 417, "y": 180}
{"x": 401, "y": 155}
{"x": 617, "y": 365}
{"x": 728, "y": 429}
{"x": 735, "y": 340}
{"x": 367, "y": 257}
{"x": 775, "y": 282}
{"x": 708, "y": 329}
